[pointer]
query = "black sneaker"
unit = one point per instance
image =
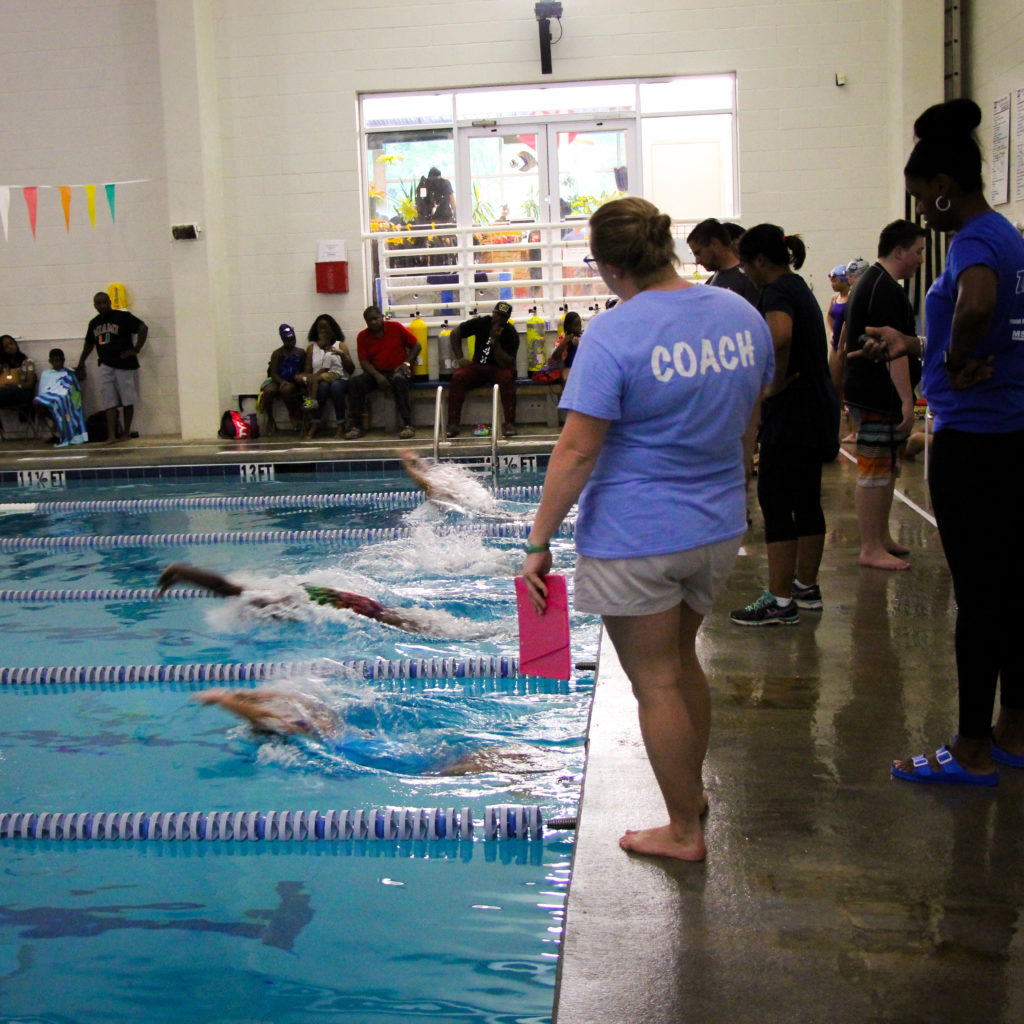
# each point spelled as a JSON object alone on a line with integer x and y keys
{"x": 807, "y": 597}
{"x": 766, "y": 611}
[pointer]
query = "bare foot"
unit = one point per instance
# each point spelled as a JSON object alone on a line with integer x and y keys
{"x": 664, "y": 842}
{"x": 311, "y": 433}
{"x": 882, "y": 560}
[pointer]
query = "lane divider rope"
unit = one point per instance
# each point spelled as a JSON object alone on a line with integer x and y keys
{"x": 485, "y": 667}
{"x": 121, "y": 594}
{"x": 501, "y": 821}
{"x": 393, "y": 499}
{"x": 358, "y": 535}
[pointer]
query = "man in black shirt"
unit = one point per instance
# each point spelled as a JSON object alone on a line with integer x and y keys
{"x": 880, "y": 396}
{"x": 118, "y": 337}
{"x": 493, "y": 362}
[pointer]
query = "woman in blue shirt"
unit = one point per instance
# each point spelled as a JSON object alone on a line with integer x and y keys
{"x": 974, "y": 381}
{"x": 659, "y": 409}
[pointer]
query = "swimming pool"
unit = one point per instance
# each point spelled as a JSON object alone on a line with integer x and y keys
{"x": 280, "y": 930}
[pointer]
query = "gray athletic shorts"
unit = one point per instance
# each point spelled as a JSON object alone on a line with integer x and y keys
{"x": 646, "y": 586}
{"x": 118, "y": 387}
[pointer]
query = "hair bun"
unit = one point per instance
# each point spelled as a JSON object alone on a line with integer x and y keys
{"x": 951, "y": 120}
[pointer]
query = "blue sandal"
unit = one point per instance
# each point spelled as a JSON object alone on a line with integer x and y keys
{"x": 950, "y": 771}
{"x": 1005, "y": 757}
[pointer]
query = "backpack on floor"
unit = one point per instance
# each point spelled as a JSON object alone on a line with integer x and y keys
{"x": 96, "y": 426}
{"x": 237, "y": 426}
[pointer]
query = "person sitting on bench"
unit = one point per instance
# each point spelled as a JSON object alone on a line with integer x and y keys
{"x": 493, "y": 362}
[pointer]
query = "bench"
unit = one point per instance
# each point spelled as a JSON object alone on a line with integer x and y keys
{"x": 536, "y": 402}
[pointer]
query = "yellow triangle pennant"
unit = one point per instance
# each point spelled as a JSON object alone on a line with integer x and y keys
{"x": 90, "y": 203}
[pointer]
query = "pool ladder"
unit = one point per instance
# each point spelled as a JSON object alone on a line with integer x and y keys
{"x": 441, "y": 422}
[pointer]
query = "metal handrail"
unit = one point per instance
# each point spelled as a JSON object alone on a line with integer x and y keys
{"x": 437, "y": 420}
{"x": 495, "y": 403}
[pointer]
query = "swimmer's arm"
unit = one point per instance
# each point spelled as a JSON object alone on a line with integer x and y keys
{"x": 412, "y": 467}
{"x": 179, "y": 572}
{"x": 390, "y": 617}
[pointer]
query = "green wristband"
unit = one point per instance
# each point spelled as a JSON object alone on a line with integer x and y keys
{"x": 536, "y": 549}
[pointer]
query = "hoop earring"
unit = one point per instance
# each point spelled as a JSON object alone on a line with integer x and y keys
{"x": 940, "y": 207}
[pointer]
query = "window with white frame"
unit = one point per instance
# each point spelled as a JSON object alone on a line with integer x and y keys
{"x": 478, "y": 194}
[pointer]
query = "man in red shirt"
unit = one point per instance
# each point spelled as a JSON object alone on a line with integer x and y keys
{"x": 387, "y": 352}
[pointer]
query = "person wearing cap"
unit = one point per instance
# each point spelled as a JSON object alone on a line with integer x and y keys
{"x": 837, "y": 306}
{"x": 493, "y": 362}
{"x": 285, "y": 363}
{"x": 855, "y": 268}
{"x": 711, "y": 244}
{"x": 387, "y": 352}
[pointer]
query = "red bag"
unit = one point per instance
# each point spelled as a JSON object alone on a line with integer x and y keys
{"x": 547, "y": 376}
{"x": 238, "y": 426}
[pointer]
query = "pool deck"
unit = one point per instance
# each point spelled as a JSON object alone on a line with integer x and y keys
{"x": 830, "y": 892}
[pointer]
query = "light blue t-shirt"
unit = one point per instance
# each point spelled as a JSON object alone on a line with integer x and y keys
{"x": 677, "y": 374}
{"x": 995, "y": 406}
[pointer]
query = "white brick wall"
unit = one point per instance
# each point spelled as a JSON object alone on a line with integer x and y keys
{"x": 995, "y": 60}
{"x": 82, "y": 102}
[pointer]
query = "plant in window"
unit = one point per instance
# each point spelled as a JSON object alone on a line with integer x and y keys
{"x": 530, "y": 205}
{"x": 483, "y": 211}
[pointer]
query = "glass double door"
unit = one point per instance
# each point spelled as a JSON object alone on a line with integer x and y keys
{"x": 534, "y": 173}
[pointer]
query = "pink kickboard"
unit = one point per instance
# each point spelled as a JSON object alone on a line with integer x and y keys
{"x": 544, "y": 639}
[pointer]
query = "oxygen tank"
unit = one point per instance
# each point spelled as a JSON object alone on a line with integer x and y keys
{"x": 561, "y": 319}
{"x": 419, "y": 332}
{"x": 536, "y": 329}
{"x": 445, "y": 360}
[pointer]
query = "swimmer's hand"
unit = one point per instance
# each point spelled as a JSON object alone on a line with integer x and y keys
{"x": 535, "y": 568}
{"x": 170, "y": 576}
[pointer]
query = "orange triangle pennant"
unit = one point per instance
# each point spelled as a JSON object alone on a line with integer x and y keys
{"x": 65, "y": 201}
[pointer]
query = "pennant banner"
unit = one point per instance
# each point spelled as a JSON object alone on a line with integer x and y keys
{"x": 31, "y": 201}
{"x": 31, "y": 194}
{"x": 65, "y": 202}
{"x": 90, "y": 203}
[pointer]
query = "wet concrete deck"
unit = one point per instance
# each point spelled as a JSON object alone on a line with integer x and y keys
{"x": 830, "y": 892}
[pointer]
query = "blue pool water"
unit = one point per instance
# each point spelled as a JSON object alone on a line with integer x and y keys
{"x": 374, "y": 931}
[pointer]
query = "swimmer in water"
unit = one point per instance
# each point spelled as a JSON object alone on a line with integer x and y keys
{"x": 447, "y": 486}
{"x": 275, "y": 712}
{"x": 286, "y": 606}
{"x": 284, "y": 713}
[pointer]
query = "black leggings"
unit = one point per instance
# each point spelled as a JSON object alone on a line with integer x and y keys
{"x": 976, "y": 487}
{"x": 789, "y": 492}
